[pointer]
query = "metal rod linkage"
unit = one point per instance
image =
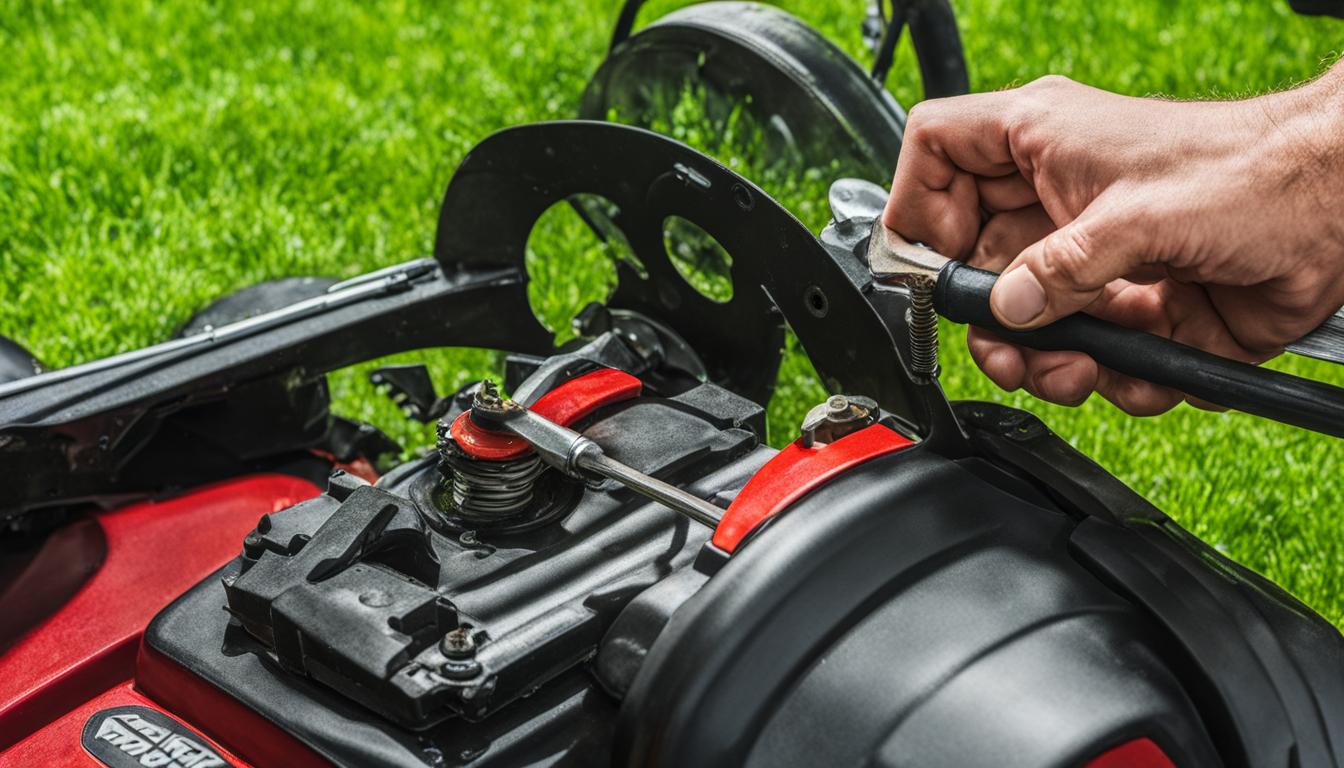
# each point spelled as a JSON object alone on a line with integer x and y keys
{"x": 669, "y": 495}
{"x": 574, "y": 454}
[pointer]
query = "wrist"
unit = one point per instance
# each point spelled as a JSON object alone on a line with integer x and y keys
{"x": 1303, "y": 135}
{"x": 1310, "y": 123}
{"x": 1328, "y": 88}
{"x": 1319, "y": 107}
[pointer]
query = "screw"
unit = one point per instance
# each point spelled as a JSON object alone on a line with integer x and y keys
{"x": 487, "y": 398}
{"x": 838, "y": 416}
{"x": 894, "y": 260}
{"x": 459, "y": 644}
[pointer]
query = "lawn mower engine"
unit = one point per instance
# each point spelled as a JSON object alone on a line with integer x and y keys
{"x": 908, "y": 582}
{"x": 480, "y": 607}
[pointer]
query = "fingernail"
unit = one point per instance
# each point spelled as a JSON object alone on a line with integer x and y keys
{"x": 1017, "y": 297}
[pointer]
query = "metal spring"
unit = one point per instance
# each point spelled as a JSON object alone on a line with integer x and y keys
{"x": 491, "y": 490}
{"x": 922, "y": 320}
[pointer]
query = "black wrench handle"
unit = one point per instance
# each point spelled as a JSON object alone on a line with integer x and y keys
{"x": 962, "y": 296}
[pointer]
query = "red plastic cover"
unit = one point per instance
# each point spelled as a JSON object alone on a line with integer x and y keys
{"x": 796, "y": 471}
{"x": 59, "y": 742}
{"x": 564, "y": 405}
{"x": 1136, "y": 753}
{"x": 155, "y": 552}
{"x": 219, "y": 715}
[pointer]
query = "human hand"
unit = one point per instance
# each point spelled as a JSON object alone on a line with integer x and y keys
{"x": 1216, "y": 224}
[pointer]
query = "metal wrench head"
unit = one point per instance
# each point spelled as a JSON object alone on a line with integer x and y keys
{"x": 894, "y": 260}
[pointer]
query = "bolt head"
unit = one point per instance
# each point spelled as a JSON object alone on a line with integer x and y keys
{"x": 459, "y": 644}
{"x": 487, "y": 397}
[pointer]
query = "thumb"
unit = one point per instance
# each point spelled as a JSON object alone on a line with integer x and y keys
{"x": 1064, "y": 272}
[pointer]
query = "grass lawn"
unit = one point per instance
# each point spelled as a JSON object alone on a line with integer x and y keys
{"x": 155, "y": 155}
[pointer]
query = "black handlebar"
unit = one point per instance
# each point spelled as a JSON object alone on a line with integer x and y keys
{"x": 962, "y": 295}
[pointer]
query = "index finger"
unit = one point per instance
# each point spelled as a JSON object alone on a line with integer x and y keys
{"x": 947, "y": 144}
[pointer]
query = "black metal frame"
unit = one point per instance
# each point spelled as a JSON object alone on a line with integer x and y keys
{"x": 94, "y": 433}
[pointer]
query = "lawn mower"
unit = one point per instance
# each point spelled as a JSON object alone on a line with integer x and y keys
{"x": 601, "y": 561}
{"x": 910, "y": 582}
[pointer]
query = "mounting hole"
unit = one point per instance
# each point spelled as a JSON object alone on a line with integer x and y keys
{"x": 815, "y": 300}
{"x": 743, "y": 197}
{"x": 569, "y": 265}
{"x": 700, "y": 260}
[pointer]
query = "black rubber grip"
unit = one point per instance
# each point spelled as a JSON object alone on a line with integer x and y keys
{"x": 962, "y": 296}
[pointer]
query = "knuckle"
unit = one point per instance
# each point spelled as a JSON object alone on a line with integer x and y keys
{"x": 1032, "y": 111}
{"x": 1139, "y": 398}
{"x": 990, "y": 248}
{"x": 1065, "y": 257}
{"x": 923, "y": 119}
{"x": 920, "y": 114}
{"x": 1150, "y": 304}
{"x": 933, "y": 115}
{"x": 1050, "y": 83}
{"x": 1154, "y": 404}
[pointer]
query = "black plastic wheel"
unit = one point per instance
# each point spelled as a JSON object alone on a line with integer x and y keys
{"x": 813, "y": 106}
{"x": 16, "y": 362}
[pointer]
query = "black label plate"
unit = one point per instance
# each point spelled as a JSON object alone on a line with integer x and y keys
{"x": 139, "y": 737}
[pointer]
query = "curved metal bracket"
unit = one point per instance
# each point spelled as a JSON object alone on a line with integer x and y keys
{"x": 512, "y": 177}
{"x": 781, "y": 273}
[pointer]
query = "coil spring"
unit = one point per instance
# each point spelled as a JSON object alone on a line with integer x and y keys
{"x": 484, "y": 490}
{"x": 922, "y": 321}
{"x": 490, "y": 490}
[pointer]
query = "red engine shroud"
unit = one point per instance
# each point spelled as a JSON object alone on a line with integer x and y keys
{"x": 155, "y": 552}
{"x": 796, "y": 471}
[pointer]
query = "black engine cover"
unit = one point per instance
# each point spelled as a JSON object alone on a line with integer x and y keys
{"x": 917, "y": 610}
{"x": 910, "y": 613}
{"x": 337, "y": 605}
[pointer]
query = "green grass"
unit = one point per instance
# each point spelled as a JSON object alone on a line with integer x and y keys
{"x": 154, "y": 156}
